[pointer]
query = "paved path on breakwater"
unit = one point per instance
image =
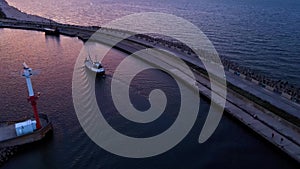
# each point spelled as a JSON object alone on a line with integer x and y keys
{"x": 275, "y": 130}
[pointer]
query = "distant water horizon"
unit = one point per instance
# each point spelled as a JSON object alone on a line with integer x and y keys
{"x": 260, "y": 35}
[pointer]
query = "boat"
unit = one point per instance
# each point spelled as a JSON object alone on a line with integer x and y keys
{"x": 27, "y": 130}
{"x": 51, "y": 31}
{"x": 94, "y": 66}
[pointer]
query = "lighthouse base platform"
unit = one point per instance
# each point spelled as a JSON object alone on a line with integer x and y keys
{"x": 9, "y": 138}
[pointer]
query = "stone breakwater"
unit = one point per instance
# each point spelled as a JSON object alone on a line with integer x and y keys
{"x": 281, "y": 87}
{"x": 278, "y": 86}
{"x": 6, "y": 153}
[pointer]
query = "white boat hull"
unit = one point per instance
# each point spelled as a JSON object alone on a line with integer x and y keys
{"x": 89, "y": 65}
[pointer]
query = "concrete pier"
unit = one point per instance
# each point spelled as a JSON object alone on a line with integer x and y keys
{"x": 7, "y": 132}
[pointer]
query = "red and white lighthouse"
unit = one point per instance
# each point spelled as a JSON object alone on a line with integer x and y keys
{"x": 27, "y": 72}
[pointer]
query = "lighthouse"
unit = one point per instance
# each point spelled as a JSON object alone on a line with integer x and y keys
{"x": 27, "y": 73}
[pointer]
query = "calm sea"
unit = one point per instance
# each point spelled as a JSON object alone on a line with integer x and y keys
{"x": 259, "y": 34}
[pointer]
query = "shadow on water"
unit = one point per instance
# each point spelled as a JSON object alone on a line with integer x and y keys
{"x": 52, "y": 38}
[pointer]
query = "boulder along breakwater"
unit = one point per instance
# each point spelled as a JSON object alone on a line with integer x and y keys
{"x": 6, "y": 153}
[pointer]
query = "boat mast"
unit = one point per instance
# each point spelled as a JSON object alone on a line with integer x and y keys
{"x": 32, "y": 98}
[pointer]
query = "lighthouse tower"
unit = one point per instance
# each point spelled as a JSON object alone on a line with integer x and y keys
{"x": 27, "y": 72}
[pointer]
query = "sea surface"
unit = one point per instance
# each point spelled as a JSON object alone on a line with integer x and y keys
{"x": 259, "y": 34}
{"x": 262, "y": 35}
{"x": 231, "y": 146}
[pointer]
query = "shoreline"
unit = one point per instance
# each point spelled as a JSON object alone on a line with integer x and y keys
{"x": 258, "y": 122}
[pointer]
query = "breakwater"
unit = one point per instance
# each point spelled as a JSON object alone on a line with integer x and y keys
{"x": 281, "y": 87}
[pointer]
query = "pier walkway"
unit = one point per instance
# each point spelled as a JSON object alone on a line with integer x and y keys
{"x": 7, "y": 132}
